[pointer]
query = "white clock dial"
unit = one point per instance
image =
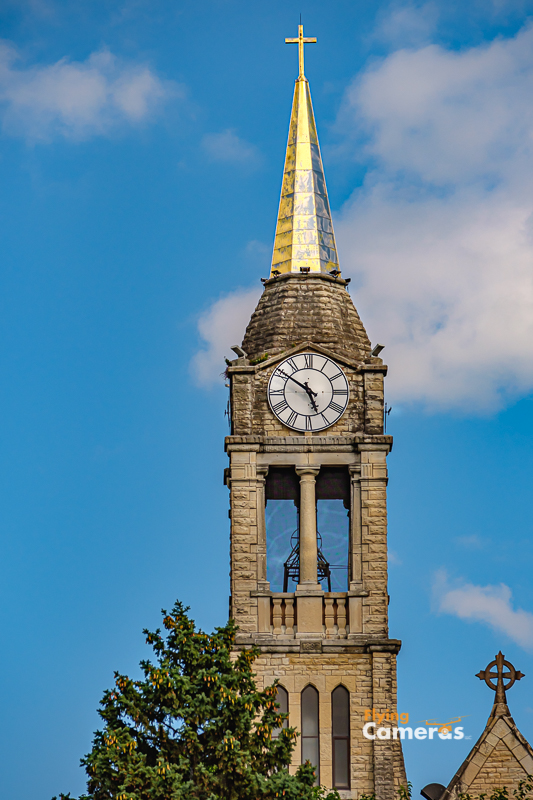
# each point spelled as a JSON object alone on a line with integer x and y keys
{"x": 308, "y": 392}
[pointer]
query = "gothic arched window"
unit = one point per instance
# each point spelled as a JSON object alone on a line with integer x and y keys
{"x": 340, "y": 729}
{"x": 310, "y": 740}
{"x": 282, "y": 699}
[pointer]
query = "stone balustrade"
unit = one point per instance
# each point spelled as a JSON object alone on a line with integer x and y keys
{"x": 281, "y": 617}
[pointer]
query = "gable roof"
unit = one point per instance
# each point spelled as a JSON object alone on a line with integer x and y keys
{"x": 500, "y": 757}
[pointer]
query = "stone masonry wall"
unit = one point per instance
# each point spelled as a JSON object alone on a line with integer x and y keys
{"x": 374, "y": 539}
{"x": 371, "y": 681}
{"x": 244, "y": 542}
{"x": 251, "y": 413}
{"x": 354, "y": 672}
{"x": 500, "y": 769}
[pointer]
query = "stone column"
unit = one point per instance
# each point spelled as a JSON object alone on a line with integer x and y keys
{"x": 374, "y": 537}
{"x": 262, "y": 584}
{"x": 309, "y": 594}
{"x": 356, "y": 572}
{"x": 308, "y": 544}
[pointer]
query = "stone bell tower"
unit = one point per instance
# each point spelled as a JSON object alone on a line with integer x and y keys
{"x": 308, "y": 483}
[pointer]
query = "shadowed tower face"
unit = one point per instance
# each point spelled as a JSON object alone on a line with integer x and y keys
{"x": 307, "y": 478}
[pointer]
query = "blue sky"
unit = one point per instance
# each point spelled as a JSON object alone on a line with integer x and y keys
{"x": 141, "y": 154}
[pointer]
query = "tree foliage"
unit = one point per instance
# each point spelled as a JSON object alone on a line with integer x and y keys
{"x": 523, "y": 792}
{"x": 195, "y": 727}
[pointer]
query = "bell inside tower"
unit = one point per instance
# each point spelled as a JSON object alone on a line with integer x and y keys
{"x": 282, "y": 519}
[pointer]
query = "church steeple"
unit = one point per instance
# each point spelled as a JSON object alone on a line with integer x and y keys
{"x": 307, "y": 480}
{"x": 304, "y": 241}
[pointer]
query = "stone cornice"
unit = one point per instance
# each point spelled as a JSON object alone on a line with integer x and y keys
{"x": 308, "y": 444}
{"x": 242, "y": 365}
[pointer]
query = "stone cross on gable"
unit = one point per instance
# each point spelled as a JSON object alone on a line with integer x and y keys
{"x": 504, "y": 679}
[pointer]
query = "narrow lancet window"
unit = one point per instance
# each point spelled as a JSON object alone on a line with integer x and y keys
{"x": 340, "y": 727}
{"x": 282, "y": 699}
{"x": 310, "y": 729}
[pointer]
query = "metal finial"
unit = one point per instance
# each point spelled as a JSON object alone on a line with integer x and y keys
{"x": 504, "y": 679}
{"x": 300, "y": 41}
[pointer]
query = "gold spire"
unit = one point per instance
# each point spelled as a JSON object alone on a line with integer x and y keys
{"x": 304, "y": 241}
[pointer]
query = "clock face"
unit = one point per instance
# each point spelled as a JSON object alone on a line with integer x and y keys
{"x": 308, "y": 392}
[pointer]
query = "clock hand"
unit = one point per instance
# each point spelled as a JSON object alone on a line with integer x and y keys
{"x": 311, "y": 393}
{"x": 301, "y": 385}
{"x": 295, "y": 381}
{"x": 305, "y": 387}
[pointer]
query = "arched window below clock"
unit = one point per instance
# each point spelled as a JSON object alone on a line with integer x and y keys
{"x": 282, "y": 699}
{"x": 340, "y": 730}
{"x": 310, "y": 729}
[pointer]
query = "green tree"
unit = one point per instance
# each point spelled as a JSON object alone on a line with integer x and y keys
{"x": 523, "y": 792}
{"x": 195, "y": 727}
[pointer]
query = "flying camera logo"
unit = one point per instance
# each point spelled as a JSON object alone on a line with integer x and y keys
{"x": 376, "y": 727}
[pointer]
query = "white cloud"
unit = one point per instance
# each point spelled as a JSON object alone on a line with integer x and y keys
{"x": 76, "y": 99}
{"x": 439, "y": 238}
{"x": 407, "y": 24}
{"x": 491, "y": 605}
{"x": 394, "y": 559}
{"x": 471, "y": 542}
{"x": 230, "y": 148}
{"x": 220, "y": 327}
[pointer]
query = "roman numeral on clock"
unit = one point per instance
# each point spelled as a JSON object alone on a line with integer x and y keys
{"x": 281, "y": 406}
{"x": 292, "y": 418}
{"x": 308, "y": 360}
{"x": 336, "y": 407}
{"x": 340, "y": 391}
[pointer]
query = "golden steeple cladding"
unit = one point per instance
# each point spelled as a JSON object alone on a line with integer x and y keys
{"x": 305, "y": 241}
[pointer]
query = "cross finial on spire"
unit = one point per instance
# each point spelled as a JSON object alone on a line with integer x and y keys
{"x": 300, "y": 41}
{"x": 504, "y": 679}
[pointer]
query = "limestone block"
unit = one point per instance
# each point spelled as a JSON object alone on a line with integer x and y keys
{"x": 519, "y": 751}
{"x": 479, "y": 759}
{"x": 501, "y": 729}
{"x": 263, "y": 614}
{"x": 309, "y": 614}
{"x": 527, "y": 764}
{"x": 470, "y": 773}
{"x": 356, "y": 614}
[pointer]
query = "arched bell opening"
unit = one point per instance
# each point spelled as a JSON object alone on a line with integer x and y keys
{"x": 282, "y": 523}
